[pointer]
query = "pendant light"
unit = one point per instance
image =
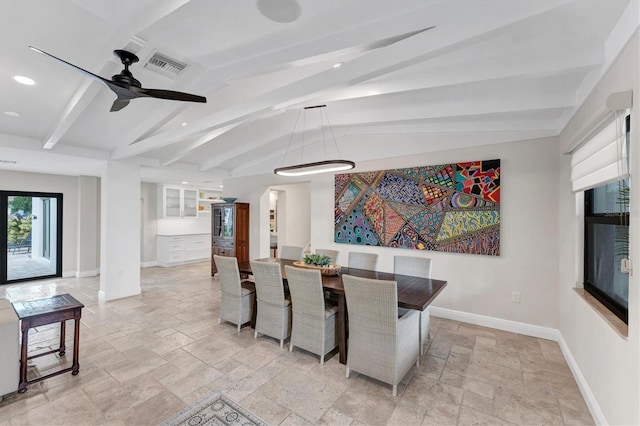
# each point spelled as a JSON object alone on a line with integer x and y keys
{"x": 324, "y": 166}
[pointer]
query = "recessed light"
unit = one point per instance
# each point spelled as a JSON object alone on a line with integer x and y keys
{"x": 11, "y": 114}
{"x": 184, "y": 182}
{"x": 221, "y": 186}
{"x": 24, "y": 80}
{"x": 184, "y": 124}
{"x": 338, "y": 64}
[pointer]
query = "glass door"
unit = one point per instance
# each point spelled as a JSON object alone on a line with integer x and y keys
{"x": 228, "y": 221}
{"x": 46, "y": 234}
{"x": 31, "y": 236}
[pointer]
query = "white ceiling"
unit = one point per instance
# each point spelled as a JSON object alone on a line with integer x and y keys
{"x": 489, "y": 72}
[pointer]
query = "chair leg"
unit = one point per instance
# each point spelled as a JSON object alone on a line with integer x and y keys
{"x": 281, "y": 343}
{"x": 395, "y": 390}
{"x": 347, "y": 372}
{"x": 239, "y": 325}
{"x": 255, "y": 334}
{"x": 322, "y": 360}
{"x": 290, "y": 346}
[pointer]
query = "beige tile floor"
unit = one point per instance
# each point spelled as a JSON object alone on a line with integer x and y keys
{"x": 146, "y": 357}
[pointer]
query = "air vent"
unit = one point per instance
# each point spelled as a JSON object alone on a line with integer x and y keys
{"x": 164, "y": 65}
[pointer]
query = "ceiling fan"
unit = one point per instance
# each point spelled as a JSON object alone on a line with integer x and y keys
{"x": 125, "y": 86}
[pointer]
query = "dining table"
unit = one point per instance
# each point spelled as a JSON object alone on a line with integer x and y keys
{"x": 413, "y": 292}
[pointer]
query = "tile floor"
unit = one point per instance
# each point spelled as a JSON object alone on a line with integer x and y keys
{"x": 146, "y": 357}
{"x": 21, "y": 265}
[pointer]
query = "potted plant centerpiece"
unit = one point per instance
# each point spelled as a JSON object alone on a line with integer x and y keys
{"x": 320, "y": 262}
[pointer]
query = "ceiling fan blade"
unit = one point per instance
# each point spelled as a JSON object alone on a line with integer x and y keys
{"x": 168, "y": 94}
{"x": 106, "y": 82}
{"x": 118, "y": 104}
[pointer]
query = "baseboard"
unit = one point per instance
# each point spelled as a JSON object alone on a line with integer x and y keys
{"x": 85, "y": 274}
{"x": 149, "y": 264}
{"x": 184, "y": 262}
{"x": 69, "y": 274}
{"x": 589, "y": 397}
{"x": 535, "y": 331}
{"x": 497, "y": 323}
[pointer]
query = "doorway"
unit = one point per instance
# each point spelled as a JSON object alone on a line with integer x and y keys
{"x": 31, "y": 236}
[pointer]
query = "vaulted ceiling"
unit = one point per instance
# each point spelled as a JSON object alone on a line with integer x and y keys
{"x": 487, "y": 72}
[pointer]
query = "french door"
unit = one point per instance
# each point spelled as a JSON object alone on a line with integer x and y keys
{"x": 30, "y": 236}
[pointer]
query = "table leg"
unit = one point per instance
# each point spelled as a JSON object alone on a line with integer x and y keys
{"x": 22, "y": 386}
{"x": 75, "y": 368}
{"x": 342, "y": 328}
{"x": 63, "y": 335}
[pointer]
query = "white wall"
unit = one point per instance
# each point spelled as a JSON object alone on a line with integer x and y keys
{"x": 88, "y": 226}
{"x": 609, "y": 363}
{"x": 476, "y": 284}
{"x": 255, "y": 190}
{"x": 120, "y": 230}
{"x": 68, "y": 187}
{"x": 293, "y": 214}
{"x": 149, "y": 251}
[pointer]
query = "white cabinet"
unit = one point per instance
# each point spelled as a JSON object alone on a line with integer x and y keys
{"x": 180, "y": 249}
{"x": 179, "y": 202}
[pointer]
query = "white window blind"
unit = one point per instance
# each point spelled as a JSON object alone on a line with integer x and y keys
{"x": 601, "y": 159}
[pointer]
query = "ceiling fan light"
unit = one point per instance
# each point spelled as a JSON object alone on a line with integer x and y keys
{"x": 327, "y": 166}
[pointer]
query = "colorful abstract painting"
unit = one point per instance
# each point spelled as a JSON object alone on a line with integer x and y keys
{"x": 450, "y": 207}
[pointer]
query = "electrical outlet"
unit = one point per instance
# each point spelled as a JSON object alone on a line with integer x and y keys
{"x": 515, "y": 296}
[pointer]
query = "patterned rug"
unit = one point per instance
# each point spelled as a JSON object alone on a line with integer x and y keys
{"x": 215, "y": 410}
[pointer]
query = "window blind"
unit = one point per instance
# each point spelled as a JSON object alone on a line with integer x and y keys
{"x": 601, "y": 159}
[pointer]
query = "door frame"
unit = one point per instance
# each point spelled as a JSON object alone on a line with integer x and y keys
{"x": 4, "y": 216}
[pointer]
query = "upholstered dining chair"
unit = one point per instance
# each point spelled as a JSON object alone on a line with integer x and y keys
{"x": 314, "y": 326}
{"x": 416, "y": 267}
{"x": 238, "y": 297}
{"x": 274, "y": 310}
{"x": 333, "y": 254}
{"x": 291, "y": 252}
{"x": 361, "y": 260}
{"x": 381, "y": 345}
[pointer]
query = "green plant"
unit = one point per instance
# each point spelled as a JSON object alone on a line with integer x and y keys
{"x": 18, "y": 229}
{"x": 317, "y": 260}
{"x": 20, "y": 204}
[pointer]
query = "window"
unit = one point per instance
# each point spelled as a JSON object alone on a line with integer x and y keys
{"x": 606, "y": 243}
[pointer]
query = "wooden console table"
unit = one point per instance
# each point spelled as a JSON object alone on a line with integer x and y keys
{"x": 34, "y": 313}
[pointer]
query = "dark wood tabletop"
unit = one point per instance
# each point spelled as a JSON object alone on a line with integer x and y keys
{"x": 60, "y": 302}
{"x": 413, "y": 292}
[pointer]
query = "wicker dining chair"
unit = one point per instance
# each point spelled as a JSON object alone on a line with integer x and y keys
{"x": 381, "y": 345}
{"x": 291, "y": 252}
{"x": 333, "y": 254}
{"x": 274, "y": 310}
{"x": 238, "y": 297}
{"x": 361, "y": 260}
{"x": 416, "y": 267}
{"x": 315, "y": 325}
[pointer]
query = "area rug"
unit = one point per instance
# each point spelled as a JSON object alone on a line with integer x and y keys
{"x": 215, "y": 410}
